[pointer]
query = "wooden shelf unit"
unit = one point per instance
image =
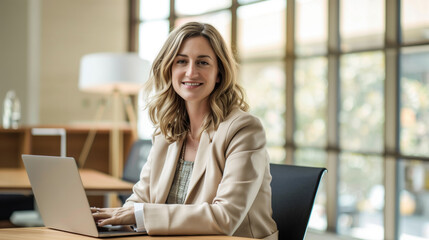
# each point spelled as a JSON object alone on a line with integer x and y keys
{"x": 14, "y": 142}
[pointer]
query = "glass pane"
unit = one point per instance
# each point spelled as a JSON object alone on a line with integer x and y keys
{"x": 413, "y": 200}
{"x": 315, "y": 158}
{"x": 269, "y": 109}
{"x": 220, "y": 20}
{"x": 361, "y": 196}
{"x": 362, "y": 101}
{"x": 152, "y": 36}
{"x": 261, "y": 29}
{"x": 310, "y": 101}
{"x": 150, "y": 9}
{"x": 414, "y": 132}
{"x": 362, "y": 24}
{"x": 192, "y": 7}
{"x": 311, "y": 27}
{"x": 415, "y": 20}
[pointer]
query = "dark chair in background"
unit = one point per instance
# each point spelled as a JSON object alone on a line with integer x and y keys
{"x": 294, "y": 189}
{"x": 10, "y": 203}
{"x": 136, "y": 159}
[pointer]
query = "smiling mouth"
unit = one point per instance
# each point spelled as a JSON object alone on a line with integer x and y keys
{"x": 191, "y": 84}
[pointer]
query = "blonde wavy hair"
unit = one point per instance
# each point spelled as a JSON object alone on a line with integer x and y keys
{"x": 167, "y": 109}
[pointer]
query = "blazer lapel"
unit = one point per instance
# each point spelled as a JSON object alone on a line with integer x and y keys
{"x": 200, "y": 163}
{"x": 168, "y": 171}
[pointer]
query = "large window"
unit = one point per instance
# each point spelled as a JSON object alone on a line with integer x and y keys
{"x": 361, "y": 196}
{"x": 361, "y": 115}
{"x": 261, "y": 43}
{"x": 354, "y": 76}
{"x": 414, "y": 141}
{"x": 261, "y": 29}
{"x": 361, "y": 119}
{"x": 415, "y": 21}
{"x": 259, "y": 78}
{"x": 414, "y": 91}
{"x": 361, "y": 24}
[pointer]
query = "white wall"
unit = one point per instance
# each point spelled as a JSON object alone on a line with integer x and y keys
{"x": 14, "y": 51}
{"x": 41, "y": 44}
{"x": 71, "y": 29}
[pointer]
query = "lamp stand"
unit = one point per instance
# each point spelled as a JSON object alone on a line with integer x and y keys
{"x": 116, "y": 162}
{"x": 91, "y": 135}
{"x": 116, "y": 139}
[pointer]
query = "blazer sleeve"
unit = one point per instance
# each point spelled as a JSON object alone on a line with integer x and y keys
{"x": 245, "y": 164}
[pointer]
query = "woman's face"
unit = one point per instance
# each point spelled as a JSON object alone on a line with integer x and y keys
{"x": 195, "y": 70}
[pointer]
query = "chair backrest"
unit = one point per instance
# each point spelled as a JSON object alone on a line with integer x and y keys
{"x": 294, "y": 189}
{"x": 136, "y": 159}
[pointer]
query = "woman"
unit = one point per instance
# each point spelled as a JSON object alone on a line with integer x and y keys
{"x": 208, "y": 169}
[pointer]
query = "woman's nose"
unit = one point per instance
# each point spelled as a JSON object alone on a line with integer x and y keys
{"x": 191, "y": 71}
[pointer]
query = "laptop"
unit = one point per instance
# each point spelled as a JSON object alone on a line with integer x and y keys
{"x": 61, "y": 198}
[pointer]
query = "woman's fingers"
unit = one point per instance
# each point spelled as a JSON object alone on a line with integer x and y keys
{"x": 103, "y": 210}
{"x": 94, "y": 209}
{"x": 100, "y": 215}
{"x": 114, "y": 216}
{"x": 109, "y": 221}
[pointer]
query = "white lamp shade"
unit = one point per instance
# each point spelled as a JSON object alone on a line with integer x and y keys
{"x": 107, "y": 72}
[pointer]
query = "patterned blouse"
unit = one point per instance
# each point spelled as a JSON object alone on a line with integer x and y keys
{"x": 181, "y": 180}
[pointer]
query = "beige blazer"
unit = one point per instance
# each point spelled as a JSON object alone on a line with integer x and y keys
{"x": 229, "y": 192}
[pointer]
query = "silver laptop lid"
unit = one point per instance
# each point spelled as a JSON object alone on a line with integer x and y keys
{"x": 59, "y": 194}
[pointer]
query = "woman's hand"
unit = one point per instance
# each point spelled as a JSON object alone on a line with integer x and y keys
{"x": 114, "y": 216}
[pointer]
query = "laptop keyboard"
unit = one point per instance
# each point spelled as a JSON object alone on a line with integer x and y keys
{"x": 116, "y": 228}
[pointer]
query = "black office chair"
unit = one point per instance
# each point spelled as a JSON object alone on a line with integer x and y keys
{"x": 294, "y": 189}
{"x": 10, "y": 203}
{"x": 136, "y": 159}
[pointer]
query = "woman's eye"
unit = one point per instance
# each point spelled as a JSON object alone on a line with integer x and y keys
{"x": 180, "y": 61}
{"x": 203, "y": 63}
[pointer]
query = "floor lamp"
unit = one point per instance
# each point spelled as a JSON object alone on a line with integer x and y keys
{"x": 118, "y": 75}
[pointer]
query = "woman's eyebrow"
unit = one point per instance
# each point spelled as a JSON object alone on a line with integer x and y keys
{"x": 204, "y": 56}
{"x": 200, "y": 56}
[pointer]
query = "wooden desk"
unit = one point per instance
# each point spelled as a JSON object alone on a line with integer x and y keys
{"x": 50, "y": 234}
{"x": 15, "y": 180}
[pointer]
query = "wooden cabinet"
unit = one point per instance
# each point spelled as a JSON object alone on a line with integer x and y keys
{"x": 14, "y": 142}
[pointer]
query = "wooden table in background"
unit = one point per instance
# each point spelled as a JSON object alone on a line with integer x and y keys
{"x": 15, "y": 180}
